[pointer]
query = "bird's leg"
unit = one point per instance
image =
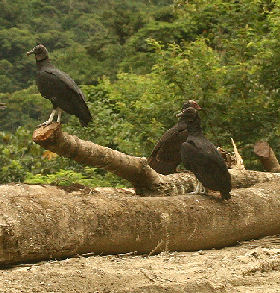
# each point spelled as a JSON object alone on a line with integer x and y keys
{"x": 50, "y": 120}
{"x": 202, "y": 189}
{"x": 199, "y": 188}
{"x": 59, "y": 112}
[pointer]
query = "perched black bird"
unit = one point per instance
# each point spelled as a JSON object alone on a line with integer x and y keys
{"x": 59, "y": 88}
{"x": 166, "y": 154}
{"x": 202, "y": 158}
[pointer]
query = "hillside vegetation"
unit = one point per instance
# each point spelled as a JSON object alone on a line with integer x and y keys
{"x": 137, "y": 61}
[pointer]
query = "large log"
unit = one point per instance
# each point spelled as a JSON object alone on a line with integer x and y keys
{"x": 43, "y": 222}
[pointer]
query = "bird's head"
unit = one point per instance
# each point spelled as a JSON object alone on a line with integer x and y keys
{"x": 191, "y": 103}
{"x": 189, "y": 110}
{"x": 40, "y": 52}
{"x": 188, "y": 114}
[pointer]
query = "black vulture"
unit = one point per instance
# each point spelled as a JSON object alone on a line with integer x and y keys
{"x": 166, "y": 155}
{"x": 202, "y": 158}
{"x": 59, "y": 88}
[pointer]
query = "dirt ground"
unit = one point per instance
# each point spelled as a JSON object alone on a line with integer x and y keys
{"x": 252, "y": 266}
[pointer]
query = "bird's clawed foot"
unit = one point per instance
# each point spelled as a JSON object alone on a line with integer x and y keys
{"x": 57, "y": 111}
{"x": 44, "y": 124}
{"x": 199, "y": 189}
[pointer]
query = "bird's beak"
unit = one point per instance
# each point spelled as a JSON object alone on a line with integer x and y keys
{"x": 179, "y": 114}
{"x": 30, "y": 52}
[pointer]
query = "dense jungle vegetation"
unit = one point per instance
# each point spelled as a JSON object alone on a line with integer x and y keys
{"x": 137, "y": 61}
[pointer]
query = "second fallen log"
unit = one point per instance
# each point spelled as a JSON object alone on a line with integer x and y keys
{"x": 145, "y": 180}
{"x": 267, "y": 156}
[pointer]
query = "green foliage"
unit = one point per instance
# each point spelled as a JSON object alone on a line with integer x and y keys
{"x": 61, "y": 178}
{"x": 88, "y": 37}
{"x": 70, "y": 177}
{"x": 24, "y": 108}
{"x": 16, "y": 152}
{"x": 14, "y": 64}
{"x": 21, "y": 160}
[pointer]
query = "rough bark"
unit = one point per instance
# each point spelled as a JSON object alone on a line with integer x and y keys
{"x": 43, "y": 222}
{"x": 135, "y": 169}
{"x": 267, "y": 156}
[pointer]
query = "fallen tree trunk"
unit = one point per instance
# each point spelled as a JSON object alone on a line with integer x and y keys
{"x": 146, "y": 181}
{"x": 43, "y": 222}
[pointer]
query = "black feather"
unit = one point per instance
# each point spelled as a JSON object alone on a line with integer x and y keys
{"x": 166, "y": 155}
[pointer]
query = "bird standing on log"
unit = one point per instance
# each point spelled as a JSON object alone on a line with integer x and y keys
{"x": 59, "y": 88}
{"x": 202, "y": 158}
{"x": 166, "y": 154}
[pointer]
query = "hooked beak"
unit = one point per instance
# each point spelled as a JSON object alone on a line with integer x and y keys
{"x": 30, "y": 52}
{"x": 179, "y": 114}
{"x": 195, "y": 105}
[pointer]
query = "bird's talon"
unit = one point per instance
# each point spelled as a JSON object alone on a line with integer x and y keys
{"x": 44, "y": 124}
